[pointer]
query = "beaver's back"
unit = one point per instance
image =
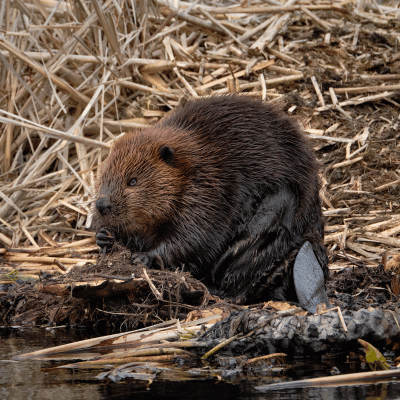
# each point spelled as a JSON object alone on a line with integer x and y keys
{"x": 247, "y": 138}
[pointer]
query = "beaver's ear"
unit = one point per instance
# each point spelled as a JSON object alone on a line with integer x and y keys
{"x": 167, "y": 154}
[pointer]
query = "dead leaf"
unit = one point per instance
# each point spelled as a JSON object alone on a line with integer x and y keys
{"x": 391, "y": 262}
{"x": 278, "y": 305}
{"x": 198, "y": 314}
{"x": 374, "y": 357}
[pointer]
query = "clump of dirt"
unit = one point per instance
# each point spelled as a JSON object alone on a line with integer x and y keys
{"x": 113, "y": 293}
{"x": 362, "y": 287}
{"x": 116, "y": 294}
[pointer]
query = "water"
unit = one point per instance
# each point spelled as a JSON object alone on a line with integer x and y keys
{"x": 40, "y": 379}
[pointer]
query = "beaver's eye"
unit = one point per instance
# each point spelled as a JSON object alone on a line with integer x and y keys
{"x": 132, "y": 182}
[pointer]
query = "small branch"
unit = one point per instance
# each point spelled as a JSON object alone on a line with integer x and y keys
{"x": 156, "y": 293}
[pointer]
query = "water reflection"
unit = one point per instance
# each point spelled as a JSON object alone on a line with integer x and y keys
{"x": 39, "y": 380}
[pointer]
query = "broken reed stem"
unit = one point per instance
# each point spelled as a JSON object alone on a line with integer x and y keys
{"x": 342, "y": 320}
{"x": 155, "y": 291}
{"x": 340, "y": 315}
{"x": 147, "y": 352}
{"x": 347, "y": 163}
{"x": 189, "y": 18}
{"x": 19, "y": 258}
{"x": 387, "y": 186}
{"x": 227, "y": 31}
{"x": 272, "y": 9}
{"x": 100, "y": 363}
{"x": 366, "y": 89}
{"x": 220, "y": 346}
{"x": 356, "y": 378}
{"x": 258, "y": 67}
{"x": 318, "y": 91}
{"x": 324, "y": 25}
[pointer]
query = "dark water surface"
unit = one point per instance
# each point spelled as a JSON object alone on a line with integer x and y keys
{"x": 40, "y": 380}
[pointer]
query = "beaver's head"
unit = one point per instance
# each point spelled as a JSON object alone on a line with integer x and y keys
{"x": 141, "y": 182}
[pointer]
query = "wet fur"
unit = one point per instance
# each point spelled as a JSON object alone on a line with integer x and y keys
{"x": 236, "y": 203}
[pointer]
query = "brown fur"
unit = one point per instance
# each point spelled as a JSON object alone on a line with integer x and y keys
{"x": 238, "y": 199}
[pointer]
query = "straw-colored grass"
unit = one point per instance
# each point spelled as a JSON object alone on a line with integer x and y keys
{"x": 77, "y": 74}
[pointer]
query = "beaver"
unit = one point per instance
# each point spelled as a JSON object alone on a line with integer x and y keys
{"x": 226, "y": 186}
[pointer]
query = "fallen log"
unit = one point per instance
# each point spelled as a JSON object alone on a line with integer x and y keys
{"x": 264, "y": 332}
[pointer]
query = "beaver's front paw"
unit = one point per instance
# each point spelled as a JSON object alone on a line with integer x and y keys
{"x": 104, "y": 240}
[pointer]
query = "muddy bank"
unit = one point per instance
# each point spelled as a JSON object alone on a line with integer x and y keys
{"x": 118, "y": 296}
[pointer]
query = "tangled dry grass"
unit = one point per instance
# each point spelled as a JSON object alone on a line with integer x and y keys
{"x": 76, "y": 74}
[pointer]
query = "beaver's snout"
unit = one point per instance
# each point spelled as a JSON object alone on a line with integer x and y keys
{"x": 104, "y": 205}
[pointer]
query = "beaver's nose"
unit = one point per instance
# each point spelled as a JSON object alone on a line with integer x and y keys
{"x": 104, "y": 205}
